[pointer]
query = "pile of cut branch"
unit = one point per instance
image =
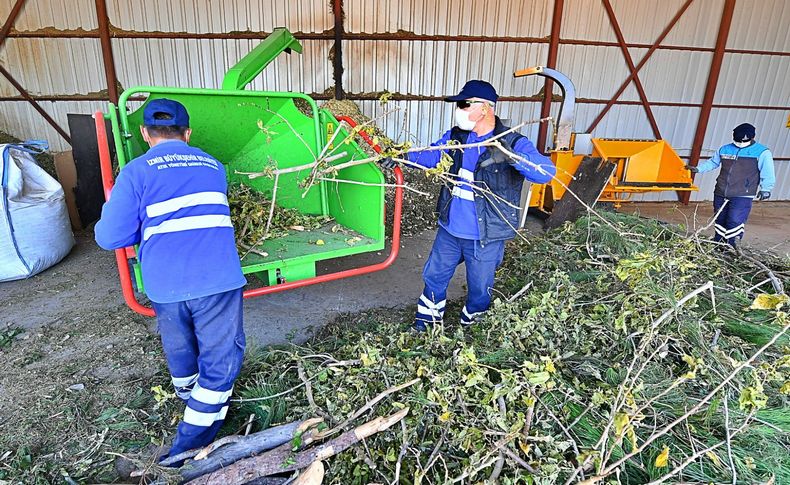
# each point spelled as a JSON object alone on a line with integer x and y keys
{"x": 256, "y": 218}
{"x": 618, "y": 349}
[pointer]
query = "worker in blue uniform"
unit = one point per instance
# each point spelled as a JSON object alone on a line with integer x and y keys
{"x": 747, "y": 173}
{"x": 479, "y": 212}
{"x": 172, "y": 201}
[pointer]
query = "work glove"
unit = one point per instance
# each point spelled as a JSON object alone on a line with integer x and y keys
{"x": 763, "y": 195}
{"x": 507, "y": 146}
{"x": 692, "y": 169}
{"x": 388, "y": 163}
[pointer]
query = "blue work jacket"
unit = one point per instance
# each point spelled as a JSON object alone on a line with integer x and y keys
{"x": 743, "y": 170}
{"x": 489, "y": 218}
{"x": 172, "y": 201}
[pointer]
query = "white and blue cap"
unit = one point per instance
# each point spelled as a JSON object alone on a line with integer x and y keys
{"x": 475, "y": 89}
{"x": 176, "y": 113}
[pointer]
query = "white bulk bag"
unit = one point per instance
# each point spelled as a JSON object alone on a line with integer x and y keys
{"x": 35, "y": 232}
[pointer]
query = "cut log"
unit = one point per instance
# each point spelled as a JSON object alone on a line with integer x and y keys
{"x": 282, "y": 459}
{"x": 244, "y": 447}
{"x": 312, "y": 475}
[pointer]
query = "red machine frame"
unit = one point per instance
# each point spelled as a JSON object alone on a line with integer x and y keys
{"x": 122, "y": 256}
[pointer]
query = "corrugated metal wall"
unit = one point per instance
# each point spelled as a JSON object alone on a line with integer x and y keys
{"x": 71, "y": 66}
{"x": 425, "y": 67}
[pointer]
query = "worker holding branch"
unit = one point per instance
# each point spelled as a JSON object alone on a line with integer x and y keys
{"x": 479, "y": 212}
{"x": 747, "y": 173}
{"x": 172, "y": 201}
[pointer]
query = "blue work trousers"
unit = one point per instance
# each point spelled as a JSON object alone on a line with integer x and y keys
{"x": 731, "y": 221}
{"x": 204, "y": 344}
{"x": 447, "y": 253}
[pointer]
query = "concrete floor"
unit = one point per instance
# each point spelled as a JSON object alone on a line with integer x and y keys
{"x": 85, "y": 284}
{"x": 768, "y": 227}
{"x": 296, "y": 314}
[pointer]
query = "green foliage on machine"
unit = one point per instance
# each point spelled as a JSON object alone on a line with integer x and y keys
{"x": 255, "y": 221}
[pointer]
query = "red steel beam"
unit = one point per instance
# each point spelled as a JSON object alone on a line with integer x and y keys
{"x": 554, "y": 44}
{"x": 776, "y": 159}
{"x": 382, "y": 36}
{"x": 106, "y": 50}
{"x": 630, "y": 62}
{"x": 419, "y": 97}
{"x": 10, "y": 20}
{"x": 35, "y": 104}
{"x": 134, "y": 34}
{"x": 641, "y": 64}
{"x": 69, "y": 97}
{"x": 710, "y": 88}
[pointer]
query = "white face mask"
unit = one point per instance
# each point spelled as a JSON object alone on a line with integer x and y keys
{"x": 742, "y": 144}
{"x": 463, "y": 121}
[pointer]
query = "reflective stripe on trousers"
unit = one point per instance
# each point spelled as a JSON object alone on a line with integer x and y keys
{"x": 447, "y": 253}
{"x": 732, "y": 213}
{"x": 204, "y": 342}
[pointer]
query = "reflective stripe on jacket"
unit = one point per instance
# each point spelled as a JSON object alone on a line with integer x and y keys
{"x": 497, "y": 217}
{"x": 172, "y": 202}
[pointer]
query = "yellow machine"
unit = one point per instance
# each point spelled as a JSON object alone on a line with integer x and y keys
{"x": 641, "y": 165}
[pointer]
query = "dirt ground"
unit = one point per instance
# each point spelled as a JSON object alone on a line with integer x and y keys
{"x": 77, "y": 366}
{"x": 768, "y": 227}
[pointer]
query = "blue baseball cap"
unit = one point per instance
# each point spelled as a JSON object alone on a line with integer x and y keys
{"x": 475, "y": 89}
{"x": 178, "y": 115}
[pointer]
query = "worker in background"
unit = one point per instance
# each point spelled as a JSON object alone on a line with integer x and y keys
{"x": 747, "y": 173}
{"x": 172, "y": 201}
{"x": 474, "y": 225}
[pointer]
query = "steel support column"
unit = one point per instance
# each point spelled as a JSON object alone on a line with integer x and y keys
{"x": 641, "y": 64}
{"x": 554, "y": 44}
{"x": 106, "y": 50}
{"x": 35, "y": 105}
{"x": 9, "y": 23}
{"x": 710, "y": 88}
{"x": 337, "y": 60}
{"x": 630, "y": 62}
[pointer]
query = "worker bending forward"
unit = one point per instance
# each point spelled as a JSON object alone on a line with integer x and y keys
{"x": 480, "y": 211}
{"x": 172, "y": 201}
{"x": 747, "y": 173}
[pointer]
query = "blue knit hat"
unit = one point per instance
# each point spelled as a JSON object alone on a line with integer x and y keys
{"x": 743, "y": 132}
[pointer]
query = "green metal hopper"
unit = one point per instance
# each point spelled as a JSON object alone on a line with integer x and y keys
{"x": 249, "y": 131}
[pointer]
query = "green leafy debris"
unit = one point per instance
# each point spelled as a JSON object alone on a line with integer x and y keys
{"x": 249, "y": 213}
{"x": 560, "y": 354}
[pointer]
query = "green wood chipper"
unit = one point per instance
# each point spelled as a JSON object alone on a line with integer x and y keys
{"x": 249, "y": 131}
